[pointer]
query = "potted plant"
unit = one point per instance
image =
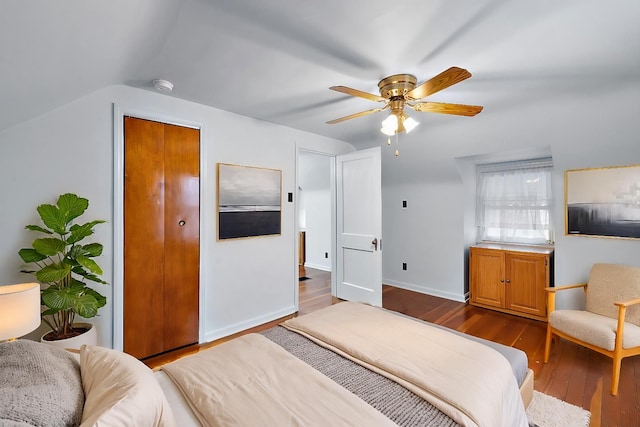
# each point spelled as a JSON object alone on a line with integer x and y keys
{"x": 64, "y": 265}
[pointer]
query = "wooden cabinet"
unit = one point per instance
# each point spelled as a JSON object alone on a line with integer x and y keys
{"x": 511, "y": 278}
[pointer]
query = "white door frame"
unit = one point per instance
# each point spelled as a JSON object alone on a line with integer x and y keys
{"x": 334, "y": 212}
{"x": 332, "y": 249}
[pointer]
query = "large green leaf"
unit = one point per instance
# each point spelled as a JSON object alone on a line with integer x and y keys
{"x": 58, "y": 299}
{"x": 53, "y": 218}
{"x": 38, "y": 228}
{"x": 53, "y": 273}
{"x": 92, "y": 249}
{"x": 89, "y": 276}
{"x": 76, "y": 287}
{"x": 100, "y": 299}
{"x": 49, "y": 246}
{"x": 79, "y": 232}
{"x": 89, "y": 264}
{"x": 74, "y": 252}
{"x": 86, "y": 306}
{"x": 72, "y": 206}
{"x": 31, "y": 255}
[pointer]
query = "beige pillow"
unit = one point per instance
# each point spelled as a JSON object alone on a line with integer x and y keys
{"x": 120, "y": 391}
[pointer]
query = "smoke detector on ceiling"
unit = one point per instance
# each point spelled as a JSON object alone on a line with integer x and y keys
{"x": 163, "y": 86}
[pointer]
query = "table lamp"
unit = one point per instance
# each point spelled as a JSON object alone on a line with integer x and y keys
{"x": 19, "y": 310}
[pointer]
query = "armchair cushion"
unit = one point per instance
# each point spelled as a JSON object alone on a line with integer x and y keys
{"x": 609, "y": 283}
{"x": 593, "y": 328}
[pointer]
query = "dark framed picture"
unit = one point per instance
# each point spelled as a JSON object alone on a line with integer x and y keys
{"x": 249, "y": 201}
{"x": 603, "y": 202}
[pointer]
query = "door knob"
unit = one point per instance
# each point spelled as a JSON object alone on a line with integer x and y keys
{"x": 181, "y": 223}
{"x": 374, "y": 242}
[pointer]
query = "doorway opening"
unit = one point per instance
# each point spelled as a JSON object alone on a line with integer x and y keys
{"x": 315, "y": 228}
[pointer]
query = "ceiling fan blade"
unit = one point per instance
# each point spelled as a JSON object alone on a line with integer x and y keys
{"x": 439, "y": 107}
{"x": 442, "y": 81}
{"x": 360, "y": 114}
{"x": 359, "y": 93}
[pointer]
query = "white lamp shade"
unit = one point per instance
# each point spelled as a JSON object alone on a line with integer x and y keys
{"x": 390, "y": 125}
{"x": 410, "y": 124}
{"x": 19, "y": 309}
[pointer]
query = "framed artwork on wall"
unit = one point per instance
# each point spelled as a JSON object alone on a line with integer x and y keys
{"x": 249, "y": 201}
{"x": 603, "y": 202}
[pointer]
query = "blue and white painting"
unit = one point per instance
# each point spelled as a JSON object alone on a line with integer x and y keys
{"x": 248, "y": 201}
{"x": 604, "y": 202}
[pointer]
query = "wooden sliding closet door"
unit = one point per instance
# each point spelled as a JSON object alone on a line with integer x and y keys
{"x": 161, "y": 237}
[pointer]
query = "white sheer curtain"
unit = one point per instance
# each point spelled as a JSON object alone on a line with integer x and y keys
{"x": 514, "y": 202}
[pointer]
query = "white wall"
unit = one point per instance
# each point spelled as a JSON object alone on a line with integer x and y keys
{"x": 427, "y": 235}
{"x": 314, "y": 179}
{"x": 246, "y": 282}
{"x": 590, "y": 128}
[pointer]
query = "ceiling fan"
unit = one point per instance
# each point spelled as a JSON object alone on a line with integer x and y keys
{"x": 400, "y": 90}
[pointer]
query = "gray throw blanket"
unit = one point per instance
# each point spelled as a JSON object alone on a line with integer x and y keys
{"x": 396, "y": 402}
{"x": 399, "y": 404}
{"x": 40, "y": 385}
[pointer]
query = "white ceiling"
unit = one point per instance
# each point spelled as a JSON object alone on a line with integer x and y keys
{"x": 275, "y": 59}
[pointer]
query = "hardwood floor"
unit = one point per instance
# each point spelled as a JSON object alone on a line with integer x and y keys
{"x": 574, "y": 374}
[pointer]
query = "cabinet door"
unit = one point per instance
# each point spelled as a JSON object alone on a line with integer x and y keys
{"x": 487, "y": 277}
{"x": 527, "y": 276}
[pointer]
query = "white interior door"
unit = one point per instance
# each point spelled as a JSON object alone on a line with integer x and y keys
{"x": 359, "y": 227}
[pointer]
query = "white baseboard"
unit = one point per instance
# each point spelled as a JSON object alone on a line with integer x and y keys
{"x": 428, "y": 291}
{"x": 317, "y": 266}
{"x": 243, "y": 326}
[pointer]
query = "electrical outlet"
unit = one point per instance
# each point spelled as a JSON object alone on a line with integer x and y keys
{"x": 404, "y": 203}
{"x": 404, "y": 265}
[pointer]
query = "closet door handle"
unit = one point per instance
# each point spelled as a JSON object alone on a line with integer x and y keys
{"x": 181, "y": 223}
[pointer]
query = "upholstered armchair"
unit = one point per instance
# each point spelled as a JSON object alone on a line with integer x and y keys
{"x": 610, "y": 323}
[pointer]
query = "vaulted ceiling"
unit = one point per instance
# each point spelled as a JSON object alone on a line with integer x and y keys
{"x": 275, "y": 59}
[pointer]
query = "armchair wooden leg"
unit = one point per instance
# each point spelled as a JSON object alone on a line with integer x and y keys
{"x": 615, "y": 374}
{"x": 547, "y": 346}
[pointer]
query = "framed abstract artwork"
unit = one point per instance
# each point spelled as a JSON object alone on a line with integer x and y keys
{"x": 603, "y": 202}
{"x": 249, "y": 201}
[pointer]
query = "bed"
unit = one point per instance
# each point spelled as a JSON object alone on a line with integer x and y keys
{"x": 347, "y": 364}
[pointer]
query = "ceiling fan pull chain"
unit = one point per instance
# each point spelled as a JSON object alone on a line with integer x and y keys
{"x": 397, "y": 152}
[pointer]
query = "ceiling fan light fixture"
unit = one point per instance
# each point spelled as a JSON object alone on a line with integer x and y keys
{"x": 390, "y": 125}
{"x": 409, "y": 124}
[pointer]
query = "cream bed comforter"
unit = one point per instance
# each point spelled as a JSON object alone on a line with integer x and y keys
{"x": 251, "y": 381}
{"x": 468, "y": 381}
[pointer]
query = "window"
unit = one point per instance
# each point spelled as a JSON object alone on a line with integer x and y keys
{"x": 514, "y": 202}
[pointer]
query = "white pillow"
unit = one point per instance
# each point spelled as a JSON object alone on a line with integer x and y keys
{"x": 120, "y": 391}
